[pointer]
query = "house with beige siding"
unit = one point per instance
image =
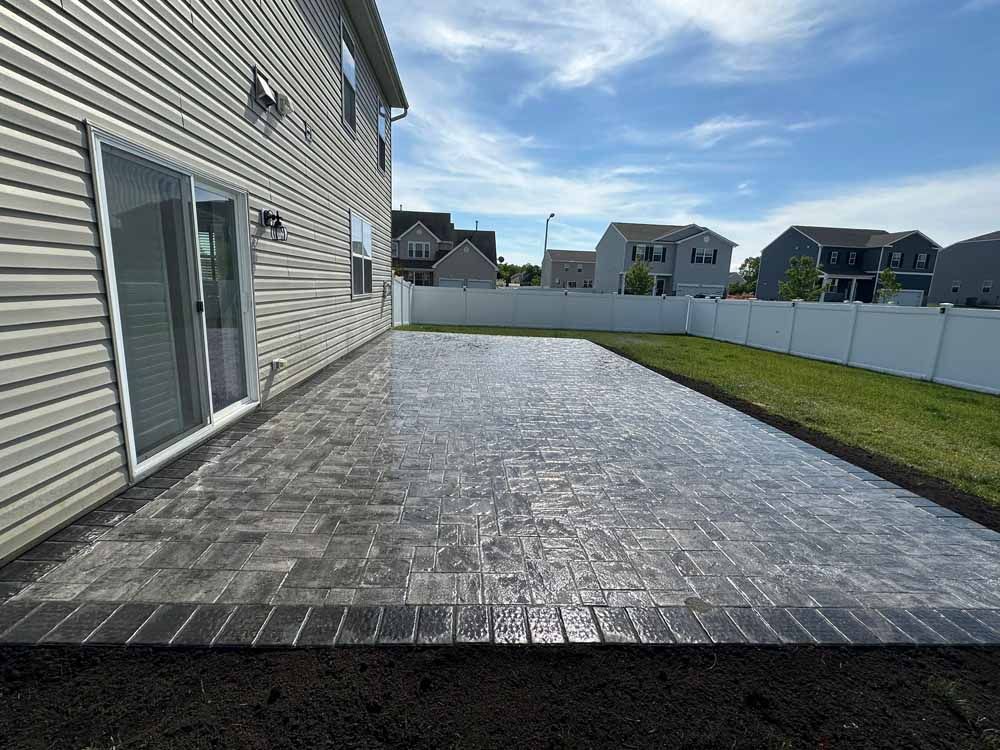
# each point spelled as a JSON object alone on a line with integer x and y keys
{"x": 195, "y": 215}
{"x": 427, "y": 250}
{"x": 568, "y": 269}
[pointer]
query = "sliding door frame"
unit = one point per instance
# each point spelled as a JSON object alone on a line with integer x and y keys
{"x": 214, "y": 422}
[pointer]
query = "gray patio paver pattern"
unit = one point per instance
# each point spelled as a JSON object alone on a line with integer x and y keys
{"x": 440, "y": 488}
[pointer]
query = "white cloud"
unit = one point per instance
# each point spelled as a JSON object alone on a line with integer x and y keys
{"x": 977, "y": 5}
{"x": 573, "y": 44}
{"x": 946, "y": 206}
{"x": 711, "y": 132}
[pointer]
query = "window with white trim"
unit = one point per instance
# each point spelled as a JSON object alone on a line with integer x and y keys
{"x": 349, "y": 79}
{"x": 896, "y": 260}
{"x": 579, "y": 267}
{"x": 921, "y": 261}
{"x": 987, "y": 286}
{"x": 834, "y": 256}
{"x": 566, "y": 267}
{"x": 703, "y": 256}
{"x": 852, "y": 259}
{"x": 571, "y": 285}
{"x": 361, "y": 256}
{"x": 588, "y": 284}
{"x": 956, "y": 286}
{"x": 658, "y": 253}
{"x": 418, "y": 250}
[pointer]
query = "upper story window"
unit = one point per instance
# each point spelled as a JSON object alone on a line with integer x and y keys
{"x": 987, "y": 286}
{"x": 418, "y": 250}
{"x": 921, "y": 260}
{"x": 852, "y": 259}
{"x": 361, "y": 256}
{"x": 566, "y": 267}
{"x": 579, "y": 267}
{"x": 658, "y": 253}
{"x": 955, "y": 286}
{"x": 395, "y": 248}
{"x": 349, "y": 74}
{"x": 896, "y": 260}
{"x": 834, "y": 256}
{"x": 383, "y": 127}
{"x": 703, "y": 255}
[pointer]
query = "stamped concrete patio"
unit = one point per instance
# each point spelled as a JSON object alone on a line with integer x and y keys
{"x": 447, "y": 488}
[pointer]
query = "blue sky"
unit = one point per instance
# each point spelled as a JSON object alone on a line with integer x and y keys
{"x": 744, "y": 116}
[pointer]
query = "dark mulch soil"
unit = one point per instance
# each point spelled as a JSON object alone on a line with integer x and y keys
{"x": 945, "y": 494}
{"x": 516, "y": 697}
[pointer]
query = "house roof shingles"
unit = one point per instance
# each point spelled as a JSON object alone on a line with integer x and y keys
{"x": 485, "y": 241}
{"x": 573, "y": 256}
{"x": 991, "y": 237}
{"x": 439, "y": 223}
{"x": 645, "y": 232}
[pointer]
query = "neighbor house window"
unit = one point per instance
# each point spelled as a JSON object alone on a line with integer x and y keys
{"x": 566, "y": 267}
{"x": 588, "y": 284}
{"x": 383, "y": 125}
{"x": 834, "y": 256}
{"x": 395, "y": 248}
{"x": 987, "y": 287}
{"x": 419, "y": 250}
{"x": 955, "y": 286}
{"x": 557, "y": 280}
{"x": 648, "y": 254}
{"x": 349, "y": 75}
{"x": 658, "y": 254}
{"x": 579, "y": 267}
{"x": 361, "y": 255}
{"x": 922, "y": 260}
{"x": 571, "y": 284}
{"x": 702, "y": 255}
{"x": 896, "y": 260}
{"x": 852, "y": 259}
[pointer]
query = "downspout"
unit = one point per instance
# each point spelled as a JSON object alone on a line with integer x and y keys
{"x": 394, "y": 118}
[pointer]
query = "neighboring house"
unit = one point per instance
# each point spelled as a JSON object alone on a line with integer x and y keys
{"x": 684, "y": 260}
{"x": 968, "y": 273}
{"x": 568, "y": 269}
{"x": 851, "y": 260}
{"x": 427, "y": 250}
{"x": 734, "y": 279}
{"x": 144, "y": 304}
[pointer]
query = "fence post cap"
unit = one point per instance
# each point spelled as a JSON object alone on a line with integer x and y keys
{"x": 858, "y": 302}
{"x": 946, "y": 305}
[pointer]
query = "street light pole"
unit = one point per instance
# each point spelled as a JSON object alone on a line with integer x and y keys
{"x": 546, "y": 246}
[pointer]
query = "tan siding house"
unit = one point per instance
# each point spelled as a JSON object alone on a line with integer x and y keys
{"x": 143, "y": 305}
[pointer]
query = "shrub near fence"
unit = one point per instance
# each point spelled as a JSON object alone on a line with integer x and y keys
{"x": 959, "y": 347}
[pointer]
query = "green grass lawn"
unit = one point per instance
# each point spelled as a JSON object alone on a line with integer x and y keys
{"x": 945, "y": 432}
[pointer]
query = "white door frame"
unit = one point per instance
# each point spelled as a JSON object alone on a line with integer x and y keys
{"x": 214, "y": 422}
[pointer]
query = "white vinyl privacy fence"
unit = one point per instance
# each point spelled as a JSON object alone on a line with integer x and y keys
{"x": 402, "y": 301}
{"x": 959, "y": 347}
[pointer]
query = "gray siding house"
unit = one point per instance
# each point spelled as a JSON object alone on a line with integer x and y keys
{"x": 568, "y": 269}
{"x": 684, "y": 260}
{"x": 851, "y": 260}
{"x": 427, "y": 250}
{"x": 195, "y": 206}
{"x": 968, "y": 273}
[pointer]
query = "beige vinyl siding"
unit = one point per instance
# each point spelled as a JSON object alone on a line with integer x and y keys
{"x": 175, "y": 78}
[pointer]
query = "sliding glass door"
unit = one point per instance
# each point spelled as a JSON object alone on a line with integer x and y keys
{"x": 222, "y": 291}
{"x": 177, "y": 263}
